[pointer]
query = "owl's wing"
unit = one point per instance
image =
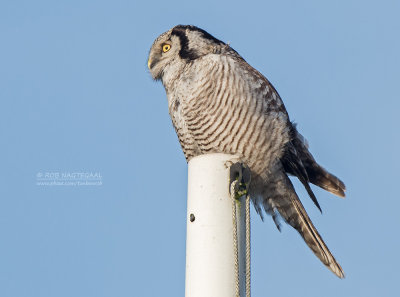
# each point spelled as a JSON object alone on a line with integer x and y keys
{"x": 316, "y": 173}
{"x": 293, "y": 165}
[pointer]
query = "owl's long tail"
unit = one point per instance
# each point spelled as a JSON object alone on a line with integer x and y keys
{"x": 283, "y": 199}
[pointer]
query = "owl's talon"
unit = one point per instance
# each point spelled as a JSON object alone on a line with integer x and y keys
{"x": 241, "y": 173}
{"x": 230, "y": 162}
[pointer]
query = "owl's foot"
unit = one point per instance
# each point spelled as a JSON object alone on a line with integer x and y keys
{"x": 241, "y": 173}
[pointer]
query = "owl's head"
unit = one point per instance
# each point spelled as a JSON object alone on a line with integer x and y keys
{"x": 179, "y": 46}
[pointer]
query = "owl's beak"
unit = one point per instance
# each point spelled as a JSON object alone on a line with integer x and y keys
{"x": 148, "y": 63}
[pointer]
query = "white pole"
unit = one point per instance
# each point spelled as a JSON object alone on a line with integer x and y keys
{"x": 210, "y": 258}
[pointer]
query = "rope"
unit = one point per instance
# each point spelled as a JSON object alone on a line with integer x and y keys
{"x": 235, "y": 238}
{"x": 248, "y": 248}
{"x": 235, "y": 242}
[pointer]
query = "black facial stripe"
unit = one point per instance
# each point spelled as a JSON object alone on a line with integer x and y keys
{"x": 185, "y": 52}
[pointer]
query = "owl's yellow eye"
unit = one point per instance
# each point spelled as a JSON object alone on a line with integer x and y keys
{"x": 166, "y": 48}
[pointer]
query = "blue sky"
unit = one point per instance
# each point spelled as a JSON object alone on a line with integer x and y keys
{"x": 76, "y": 96}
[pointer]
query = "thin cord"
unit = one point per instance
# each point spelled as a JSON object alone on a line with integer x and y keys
{"x": 235, "y": 242}
{"x": 235, "y": 238}
{"x": 248, "y": 248}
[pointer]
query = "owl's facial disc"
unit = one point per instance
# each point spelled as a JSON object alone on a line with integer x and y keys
{"x": 163, "y": 52}
{"x": 177, "y": 47}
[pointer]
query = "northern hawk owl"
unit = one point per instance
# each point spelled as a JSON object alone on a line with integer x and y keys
{"x": 220, "y": 104}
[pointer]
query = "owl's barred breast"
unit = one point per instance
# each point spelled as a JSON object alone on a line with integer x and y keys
{"x": 220, "y": 104}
